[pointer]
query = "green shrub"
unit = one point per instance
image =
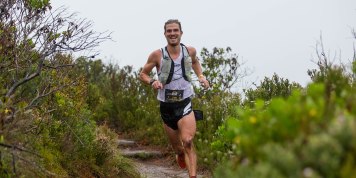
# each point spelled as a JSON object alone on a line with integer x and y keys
{"x": 309, "y": 134}
{"x": 269, "y": 88}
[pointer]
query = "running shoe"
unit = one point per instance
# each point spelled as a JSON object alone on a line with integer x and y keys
{"x": 181, "y": 161}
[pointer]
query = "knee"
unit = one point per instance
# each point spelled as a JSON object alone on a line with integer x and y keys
{"x": 178, "y": 147}
{"x": 187, "y": 142}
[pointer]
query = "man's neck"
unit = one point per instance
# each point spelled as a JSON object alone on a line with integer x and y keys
{"x": 173, "y": 50}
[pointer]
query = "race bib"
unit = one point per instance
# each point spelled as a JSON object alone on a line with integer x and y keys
{"x": 173, "y": 95}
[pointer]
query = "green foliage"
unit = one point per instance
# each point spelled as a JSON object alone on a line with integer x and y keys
{"x": 222, "y": 68}
{"x": 38, "y": 4}
{"x": 118, "y": 98}
{"x": 66, "y": 139}
{"x": 215, "y": 111}
{"x": 309, "y": 134}
{"x": 269, "y": 88}
{"x": 46, "y": 126}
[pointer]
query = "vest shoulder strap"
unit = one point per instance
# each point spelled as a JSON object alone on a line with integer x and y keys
{"x": 186, "y": 63}
{"x": 167, "y": 69}
{"x": 165, "y": 54}
{"x": 185, "y": 50}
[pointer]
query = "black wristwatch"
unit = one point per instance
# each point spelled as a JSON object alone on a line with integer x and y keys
{"x": 152, "y": 80}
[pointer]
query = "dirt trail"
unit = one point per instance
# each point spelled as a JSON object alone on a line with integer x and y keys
{"x": 151, "y": 170}
{"x": 153, "y": 163}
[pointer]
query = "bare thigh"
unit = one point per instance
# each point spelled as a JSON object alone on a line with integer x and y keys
{"x": 174, "y": 138}
{"x": 187, "y": 127}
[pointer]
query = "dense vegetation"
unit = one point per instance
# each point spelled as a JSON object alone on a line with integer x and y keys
{"x": 60, "y": 115}
{"x": 47, "y": 128}
{"x": 308, "y": 134}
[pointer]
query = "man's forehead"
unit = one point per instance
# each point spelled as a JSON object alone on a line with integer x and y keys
{"x": 172, "y": 25}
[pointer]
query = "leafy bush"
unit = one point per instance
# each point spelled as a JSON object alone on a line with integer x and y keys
{"x": 119, "y": 99}
{"x": 309, "y": 134}
{"x": 269, "y": 88}
{"x": 46, "y": 128}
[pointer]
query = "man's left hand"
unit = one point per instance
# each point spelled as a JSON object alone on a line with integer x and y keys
{"x": 204, "y": 82}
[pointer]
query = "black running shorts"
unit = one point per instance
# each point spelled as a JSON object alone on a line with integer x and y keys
{"x": 171, "y": 113}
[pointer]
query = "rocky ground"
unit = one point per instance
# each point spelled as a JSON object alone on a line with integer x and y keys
{"x": 153, "y": 163}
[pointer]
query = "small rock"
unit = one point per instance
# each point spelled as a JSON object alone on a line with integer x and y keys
{"x": 141, "y": 154}
{"x": 121, "y": 142}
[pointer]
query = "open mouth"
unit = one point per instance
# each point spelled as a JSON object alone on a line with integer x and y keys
{"x": 173, "y": 37}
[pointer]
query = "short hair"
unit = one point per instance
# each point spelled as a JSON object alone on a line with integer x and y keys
{"x": 170, "y": 21}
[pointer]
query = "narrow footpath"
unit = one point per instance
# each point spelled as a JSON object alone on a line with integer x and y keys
{"x": 153, "y": 163}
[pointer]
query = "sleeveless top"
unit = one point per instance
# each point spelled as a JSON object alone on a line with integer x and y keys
{"x": 179, "y": 88}
{"x": 167, "y": 66}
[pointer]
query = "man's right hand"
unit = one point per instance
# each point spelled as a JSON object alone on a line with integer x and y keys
{"x": 157, "y": 85}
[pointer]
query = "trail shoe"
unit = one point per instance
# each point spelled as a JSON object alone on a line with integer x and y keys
{"x": 181, "y": 161}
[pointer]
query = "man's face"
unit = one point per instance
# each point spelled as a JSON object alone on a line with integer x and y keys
{"x": 173, "y": 34}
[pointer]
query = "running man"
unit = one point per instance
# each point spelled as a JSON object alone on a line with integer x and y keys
{"x": 174, "y": 64}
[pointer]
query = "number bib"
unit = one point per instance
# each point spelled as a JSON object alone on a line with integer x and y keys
{"x": 173, "y": 95}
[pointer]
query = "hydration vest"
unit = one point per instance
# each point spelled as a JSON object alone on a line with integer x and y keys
{"x": 167, "y": 68}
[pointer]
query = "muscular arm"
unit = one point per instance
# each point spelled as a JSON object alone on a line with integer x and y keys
{"x": 195, "y": 62}
{"x": 152, "y": 61}
{"x": 147, "y": 68}
{"x": 197, "y": 67}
